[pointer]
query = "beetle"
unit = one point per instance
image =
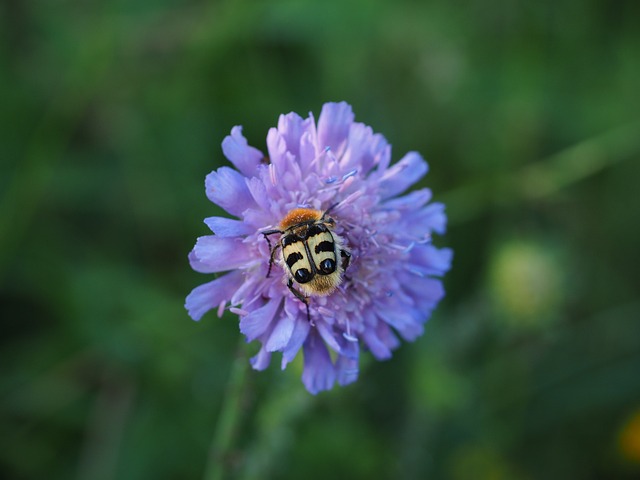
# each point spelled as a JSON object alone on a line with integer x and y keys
{"x": 312, "y": 255}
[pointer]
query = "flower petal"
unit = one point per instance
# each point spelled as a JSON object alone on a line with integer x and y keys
{"x": 226, "y": 227}
{"x": 211, "y": 294}
{"x": 429, "y": 260}
{"x": 197, "y": 265}
{"x": 292, "y": 127}
{"x": 277, "y": 147}
{"x": 308, "y": 146}
{"x": 259, "y": 193}
{"x": 238, "y": 151}
{"x": 379, "y": 349}
{"x": 333, "y": 127}
{"x": 426, "y": 292}
{"x": 319, "y": 373}
{"x": 381, "y": 340}
{"x": 434, "y": 218}
{"x": 399, "y": 318}
{"x": 281, "y": 334}
{"x": 347, "y": 364}
{"x": 298, "y": 337}
{"x": 328, "y": 336}
{"x": 364, "y": 149}
{"x": 261, "y": 360}
{"x": 219, "y": 253}
{"x": 412, "y": 200}
{"x": 228, "y": 188}
{"x": 402, "y": 175}
{"x": 257, "y": 322}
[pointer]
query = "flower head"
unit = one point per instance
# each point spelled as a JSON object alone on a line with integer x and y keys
{"x": 389, "y": 288}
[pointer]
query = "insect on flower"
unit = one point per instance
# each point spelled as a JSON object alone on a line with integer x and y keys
{"x": 325, "y": 249}
{"x": 311, "y": 253}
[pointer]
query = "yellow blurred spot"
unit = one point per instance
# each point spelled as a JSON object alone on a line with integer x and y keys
{"x": 526, "y": 284}
{"x": 629, "y": 438}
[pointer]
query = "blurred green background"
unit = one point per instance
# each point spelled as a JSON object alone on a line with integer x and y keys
{"x": 112, "y": 113}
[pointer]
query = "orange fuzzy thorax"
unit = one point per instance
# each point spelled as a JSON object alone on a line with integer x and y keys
{"x": 299, "y": 215}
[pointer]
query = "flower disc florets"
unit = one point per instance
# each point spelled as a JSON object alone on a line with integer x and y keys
{"x": 389, "y": 288}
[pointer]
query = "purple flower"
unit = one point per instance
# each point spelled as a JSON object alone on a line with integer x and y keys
{"x": 390, "y": 286}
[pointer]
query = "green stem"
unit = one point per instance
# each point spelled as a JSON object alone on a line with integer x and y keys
{"x": 229, "y": 417}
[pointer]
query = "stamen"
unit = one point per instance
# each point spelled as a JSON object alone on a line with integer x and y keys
{"x": 272, "y": 174}
{"x": 349, "y": 337}
{"x": 221, "y": 308}
{"x": 425, "y": 239}
{"x": 325, "y": 312}
{"x": 238, "y": 311}
{"x": 349, "y": 174}
{"x": 416, "y": 272}
{"x": 346, "y": 183}
{"x": 354, "y": 196}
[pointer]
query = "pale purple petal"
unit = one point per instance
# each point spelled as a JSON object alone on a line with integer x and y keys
{"x": 299, "y": 335}
{"x": 292, "y": 127}
{"x": 228, "y": 188}
{"x": 257, "y": 322}
{"x": 429, "y": 260}
{"x": 307, "y": 148}
{"x": 261, "y": 360}
{"x": 319, "y": 373}
{"x": 221, "y": 254}
{"x": 434, "y": 218}
{"x": 328, "y": 336}
{"x": 427, "y": 291}
{"x": 281, "y": 334}
{"x": 379, "y": 348}
{"x": 413, "y": 200}
{"x": 226, "y": 227}
{"x": 259, "y": 193}
{"x": 396, "y": 316}
{"x": 386, "y": 335}
{"x": 238, "y": 151}
{"x": 277, "y": 148}
{"x": 411, "y": 331}
{"x": 199, "y": 266}
{"x": 364, "y": 149}
{"x": 347, "y": 364}
{"x": 402, "y": 175}
{"x": 210, "y": 295}
{"x": 333, "y": 127}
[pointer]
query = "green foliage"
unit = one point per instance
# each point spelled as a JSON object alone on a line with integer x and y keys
{"x": 113, "y": 113}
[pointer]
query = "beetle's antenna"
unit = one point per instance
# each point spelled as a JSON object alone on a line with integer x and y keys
{"x": 328, "y": 210}
{"x": 271, "y": 249}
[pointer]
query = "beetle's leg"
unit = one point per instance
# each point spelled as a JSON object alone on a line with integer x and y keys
{"x": 273, "y": 251}
{"x": 300, "y": 297}
{"x": 346, "y": 259}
